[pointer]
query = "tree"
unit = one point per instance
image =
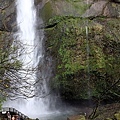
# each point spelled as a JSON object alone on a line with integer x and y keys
{"x": 13, "y": 76}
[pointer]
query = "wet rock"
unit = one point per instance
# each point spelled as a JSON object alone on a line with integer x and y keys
{"x": 37, "y": 2}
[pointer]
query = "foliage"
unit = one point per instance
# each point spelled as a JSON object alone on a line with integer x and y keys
{"x": 1, "y": 101}
{"x": 79, "y": 70}
{"x": 80, "y": 5}
{"x": 9, "y": 65}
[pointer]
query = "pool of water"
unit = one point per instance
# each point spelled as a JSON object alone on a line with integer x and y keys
{"x": 54, "y": 117}
{"x": 59, "y": 115}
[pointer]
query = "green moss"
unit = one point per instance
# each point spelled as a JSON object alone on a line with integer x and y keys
{"x": 47, "y": 11}
{"x": 117, "y": 116}
{"x": 69, "y": 45}
{"x": 2, "y": 99}
{"x": 79, "y": 6}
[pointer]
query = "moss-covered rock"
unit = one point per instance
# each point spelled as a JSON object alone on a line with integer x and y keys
{"x": 63, "y": 8}
{"x": 86, "y": 52}
{"x": 117, "y": 116}
{"x": 77, "y": 8}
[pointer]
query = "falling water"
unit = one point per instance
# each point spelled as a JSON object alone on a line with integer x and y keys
{"x": 88, "y": 58}
{"x": 37, "y": 68}
{"x": 88, "y": 62}
{"x": 32, "y": 56}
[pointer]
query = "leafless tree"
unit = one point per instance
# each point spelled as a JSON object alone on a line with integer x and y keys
{"x": 15, "y": 80}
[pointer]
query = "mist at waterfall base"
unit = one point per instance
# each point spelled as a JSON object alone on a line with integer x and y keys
{"x": 32, "y": 57}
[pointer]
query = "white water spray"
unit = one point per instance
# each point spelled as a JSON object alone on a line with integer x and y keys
{"x": 31, "y": 43}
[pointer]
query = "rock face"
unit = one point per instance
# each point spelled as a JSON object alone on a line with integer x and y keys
{"x": 107, "y": 8}
{"x": 102, "y": 8}
{"x": 96, "y": 9}
{"x": 7, "y": 15}
{"x": 68, "y": 24}
{"x": 63, "y": 8}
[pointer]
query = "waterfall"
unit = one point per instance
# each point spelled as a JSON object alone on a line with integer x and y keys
{"x": 88, "y": 56}
{"x": 31, "y": 54}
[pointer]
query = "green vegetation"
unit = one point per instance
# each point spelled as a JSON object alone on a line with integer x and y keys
{"x": 2, "y": 99}
{"x": 9, "y": 65}
{"x": 78, "y": 71}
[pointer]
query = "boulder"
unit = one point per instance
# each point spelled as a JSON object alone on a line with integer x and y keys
{"x": 111, "y": 10}
{"x": 96, "y": 9}
{"x": 103, "y": 8}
